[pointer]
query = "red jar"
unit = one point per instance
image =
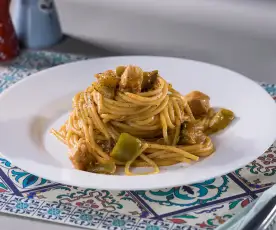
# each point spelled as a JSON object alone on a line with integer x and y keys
{"x": 8, "y": 42}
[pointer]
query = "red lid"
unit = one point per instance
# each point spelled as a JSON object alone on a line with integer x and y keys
{"x": 4, "y": 6}
{"x": 8, "y": 41}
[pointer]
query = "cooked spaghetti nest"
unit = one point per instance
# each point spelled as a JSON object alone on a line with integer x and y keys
{"x": 131, "y": 118}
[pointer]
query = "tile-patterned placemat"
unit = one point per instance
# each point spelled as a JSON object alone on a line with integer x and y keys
{"x": 203, "y": 205}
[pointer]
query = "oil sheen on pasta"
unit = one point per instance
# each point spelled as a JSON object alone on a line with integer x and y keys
{"x": 131, "y": 118}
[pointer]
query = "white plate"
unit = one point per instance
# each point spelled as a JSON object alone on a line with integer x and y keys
{"x": 30, "y": 108}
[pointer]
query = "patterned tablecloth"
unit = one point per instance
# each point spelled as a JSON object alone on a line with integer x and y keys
{"x": 203, "y": 205}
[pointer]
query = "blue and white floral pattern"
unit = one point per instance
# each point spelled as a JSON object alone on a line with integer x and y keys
{"x": 20, "y": 205}
{"x": 199, "y": 193}
{"x": 154, "y": 225}
{"x": 4, "y": 199}
{"x": 55, "y": 211}
{"x": 25, "y": 180}
{"x": 5, "y": 163}
{"x": 117, "y": 221}
{"x": 88, "y": 218}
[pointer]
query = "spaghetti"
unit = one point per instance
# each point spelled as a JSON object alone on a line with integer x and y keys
{"x": 130, "y": 118}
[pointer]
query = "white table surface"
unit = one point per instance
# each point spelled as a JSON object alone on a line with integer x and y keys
{"x": 9, "y": 222}
{"x": 236, "y": 34}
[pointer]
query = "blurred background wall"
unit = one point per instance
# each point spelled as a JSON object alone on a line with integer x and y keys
{"x": 237, "y": 34}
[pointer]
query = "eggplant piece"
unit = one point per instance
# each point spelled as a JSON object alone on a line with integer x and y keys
{"x": 191, "y": 134}
{"x": 106, "y": 91}
{"x": 149, "y": 78}
{"x": 198, "y": 102}
{"x": 108, "y": 79}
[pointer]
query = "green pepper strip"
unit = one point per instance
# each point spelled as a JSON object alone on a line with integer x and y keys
{"x": 128, "y": 164}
